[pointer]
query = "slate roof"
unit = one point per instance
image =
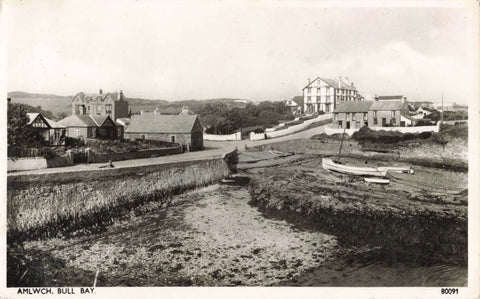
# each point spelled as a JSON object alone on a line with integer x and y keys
{"x": 78, "y": 121}
{"x": 160, "y": 123}
{"x": 353, "y": 107}
{"x": 386, "y": 105}
{"x": 97, "y": 97}
{"x": 397, "y": 97}
{"x": 333, "y": 83}
{"x": 51, "y": 123}
{"x": 299, "y": 100}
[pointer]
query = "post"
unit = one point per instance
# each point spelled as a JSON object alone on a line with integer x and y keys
{"x": 442, "y": 107}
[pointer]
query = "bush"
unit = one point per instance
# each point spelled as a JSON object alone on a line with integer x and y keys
{"x": 424, "y": 122}
{"x": 367, "y": 134}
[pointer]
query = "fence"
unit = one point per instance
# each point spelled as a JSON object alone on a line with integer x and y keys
{"x": 232, "y": 137}
{"x": 321, "y": 118}
{"x": 436, "y": 129}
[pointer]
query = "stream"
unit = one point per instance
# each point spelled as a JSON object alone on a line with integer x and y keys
{"x": 213, "y": 237}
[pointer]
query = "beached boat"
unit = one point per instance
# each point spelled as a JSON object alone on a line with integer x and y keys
{"x": 329, "y": 164}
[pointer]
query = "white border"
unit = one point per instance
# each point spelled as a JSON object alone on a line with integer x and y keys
{"x": 472, "y": 291}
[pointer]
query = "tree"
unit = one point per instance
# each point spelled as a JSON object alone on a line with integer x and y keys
{"x": 17, "y": 120}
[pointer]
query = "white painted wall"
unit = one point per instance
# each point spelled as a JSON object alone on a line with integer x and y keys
{"x": 255, "y": 136}
{"x": 214, "y": 137}
{"x": 26, "y": 164}
{"x": 298, "y": 127}
{"x": 436, "y": 129}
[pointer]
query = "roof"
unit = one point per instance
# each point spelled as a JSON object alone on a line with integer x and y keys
{"x": 32, "y": 117}
{"x": 51, "y": 123}
{"x": 160, "y": 123}
{"x": 299, "y": 100}
{"x": 355, "y": 106}
{"x": 78, "y": 121}
{"x": 97, "y": 97}
{"x": 333, "y": 83}
{"x": 397, "y": 97}
{"x": 386, "y": 105}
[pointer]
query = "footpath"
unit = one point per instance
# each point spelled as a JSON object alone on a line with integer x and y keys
{"x": 213, "y": 150}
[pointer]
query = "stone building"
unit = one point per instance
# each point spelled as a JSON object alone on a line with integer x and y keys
{"x": 111, "y": 103}
{"x": 324, "y": 94}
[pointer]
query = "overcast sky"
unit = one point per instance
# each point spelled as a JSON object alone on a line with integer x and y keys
{"x": 161, "y": 50}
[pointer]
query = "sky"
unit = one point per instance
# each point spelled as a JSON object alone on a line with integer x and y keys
{"x": 250, "y": 50}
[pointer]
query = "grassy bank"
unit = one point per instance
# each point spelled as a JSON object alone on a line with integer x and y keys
{"x": 37, "y": 210}
{"x": 424, "y": 214}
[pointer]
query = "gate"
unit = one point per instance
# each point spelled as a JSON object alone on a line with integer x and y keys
{"x": 80, "y": 157}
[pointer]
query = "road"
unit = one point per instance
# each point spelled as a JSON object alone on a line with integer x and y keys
{"x": 213, "y": 149}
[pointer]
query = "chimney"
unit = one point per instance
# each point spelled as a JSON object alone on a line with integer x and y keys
{"x": 339, "y": 82}
{"x": 9, "y": 100}
{"x": 308, "y": 80}
{"x": 100, "y": 91}
{"x": 352, "y": 85}
{"x": 346, "y": 80}
{"x": 121, "y": 94}
{"x": 376, "y": 97}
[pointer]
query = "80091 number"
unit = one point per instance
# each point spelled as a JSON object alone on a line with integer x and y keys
{"x": 449, "y": 291}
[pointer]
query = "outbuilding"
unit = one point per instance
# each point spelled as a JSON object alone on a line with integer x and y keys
{"x": 186, "y": 129}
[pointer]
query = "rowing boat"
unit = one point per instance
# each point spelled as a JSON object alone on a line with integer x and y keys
{"x": 329, "y": 164}
{"x": 398, "y": 169}
{"x": 377, "y": 180}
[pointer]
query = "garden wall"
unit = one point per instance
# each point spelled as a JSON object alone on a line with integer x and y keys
{"x": 436, "y": 129}
{"x": 255, "y": 136}
{"x": 26, "y": 164}
{"x": 141, "y": 154}
{"x": 321, "y": 118}
{"x": 232, "y": 137}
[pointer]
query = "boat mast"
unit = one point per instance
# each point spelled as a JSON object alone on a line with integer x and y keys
{"x": 442, "y": 106}
{"x": 341, "y": 144}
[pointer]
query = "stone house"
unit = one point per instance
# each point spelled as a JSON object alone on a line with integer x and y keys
{"x": 186, "y": 129}
{"x": 52, "y": 132}
{"x": 386, "y": 113}
{"x": 295, "y": 105}
{"x": 92, "y": 126}
{"x": 101, "y": 104}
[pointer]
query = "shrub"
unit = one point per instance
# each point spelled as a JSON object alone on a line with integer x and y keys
{"x": 366, "y": 134}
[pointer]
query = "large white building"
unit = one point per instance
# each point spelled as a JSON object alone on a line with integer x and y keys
{"x": 323, "y": 94}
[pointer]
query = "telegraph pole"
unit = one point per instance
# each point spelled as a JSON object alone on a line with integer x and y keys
{"x": 442, "y": 106}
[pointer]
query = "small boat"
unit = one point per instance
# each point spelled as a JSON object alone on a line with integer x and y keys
{"x": 398, "y": 169}
{"x": 377, "y": 180}
{"x": 329, "y": 164}
{"x": 277, "y": 153}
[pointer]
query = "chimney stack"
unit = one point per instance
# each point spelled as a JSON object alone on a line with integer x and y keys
{"x": 308, "y": 80}
{"x": 339, "y": 82}
{"x": 121, "y": 94}
{"x": 346, "y": 80}
{"x": 100, "y": 91}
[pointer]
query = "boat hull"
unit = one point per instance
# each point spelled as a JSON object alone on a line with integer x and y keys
{"x": 328, "y": 164}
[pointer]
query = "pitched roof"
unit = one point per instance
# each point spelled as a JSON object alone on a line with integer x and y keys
{"x": 51, "y": 123}
{"x": 355, "y": 106}
{"x": 333, "y": 83}
{"x": 386, "y": 105}
{"x": 78, "y": 121}
{"x": 160, "y": 123}
{"x": 397, "y": 97}
{"x": 299, "y": 100}
{"x": 97, "y": 96}
{"x": 32, "y": 117}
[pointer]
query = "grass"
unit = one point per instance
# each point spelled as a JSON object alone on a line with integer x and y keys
{"x": 44, "y": 210}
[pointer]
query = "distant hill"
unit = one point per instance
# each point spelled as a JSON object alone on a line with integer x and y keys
{"x": 63, "y": 104}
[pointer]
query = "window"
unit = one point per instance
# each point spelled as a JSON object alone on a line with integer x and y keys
{"x": 76, "y": 132}
{"x": 365, "y": 116}
{"x": 340, "y": 123}
{"x": 94, "y": 132}
{"x": 348, "y": 115}
{"x": 88, "y": 108}
{"x": 393, "y": 114}
{"x": 309, "y": 90}
{"x": 375, "y": 121}
{"x": 374, "y": 114}
{"x": 353, "y": 116}
{"x": 108, "y": 108}
{"x": 99, "y": 108}
{"x": 119, "y": 132}
{"x": 335, "y": 116}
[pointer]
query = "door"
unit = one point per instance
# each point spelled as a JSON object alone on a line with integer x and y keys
{"x": 348, "y": 125}
{"x": 384, "y": 122}
{"x": 173, "y": 139}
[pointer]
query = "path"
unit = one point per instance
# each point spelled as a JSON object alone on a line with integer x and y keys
{"x": 213, "y": 150}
